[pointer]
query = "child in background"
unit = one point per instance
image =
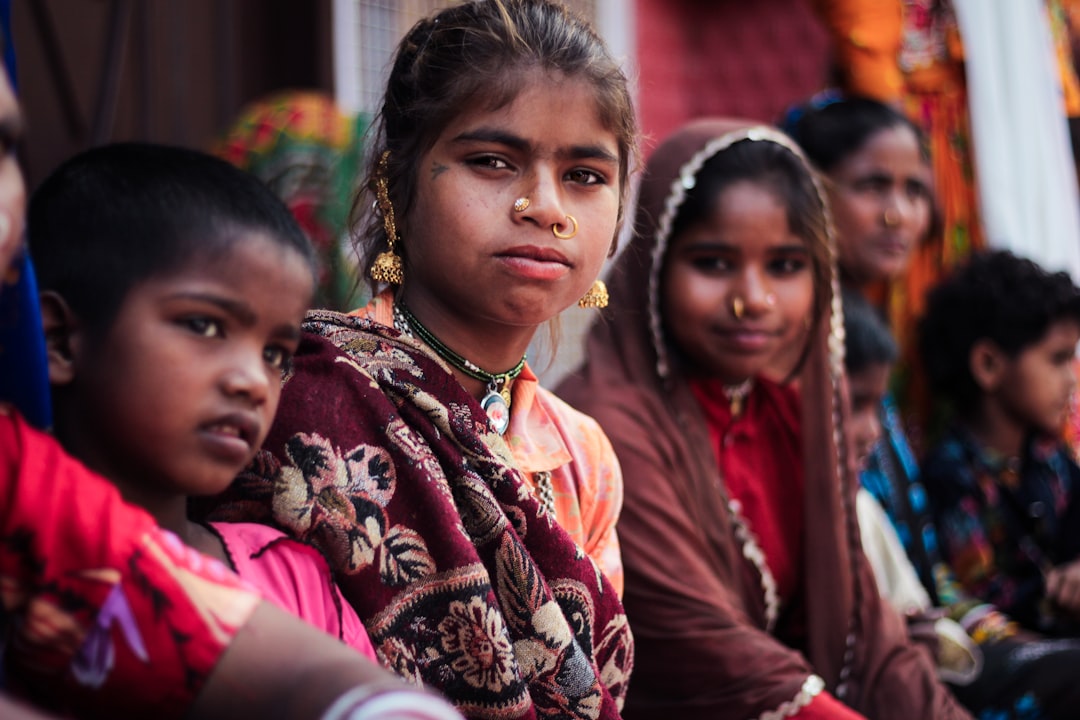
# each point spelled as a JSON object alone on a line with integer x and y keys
{"x": 172, "y": 290}
{"x": 994, "y": 671}
{"x": 998, "y": 341}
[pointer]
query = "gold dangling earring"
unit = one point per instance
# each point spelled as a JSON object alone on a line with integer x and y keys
{"x": 596, "y": 297}
{"x": 387, "y": 267}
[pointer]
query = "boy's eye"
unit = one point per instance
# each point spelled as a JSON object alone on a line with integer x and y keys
{"x": 585, "y": 177}
{"x": 277, "y": 357}
{"x": 204, "y": 326}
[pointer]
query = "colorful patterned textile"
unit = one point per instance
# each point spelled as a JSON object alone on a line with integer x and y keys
{"x": 548, "y": 436}
{"x": 1021, "y": 678}
{"x": 309, "y": 153}
{"x": 382, "y": 459}
{"x": 295, "y": 577}
{"x": 919, "y": 39}
{"x": 892, "y": 477}
{"x": 104, "y": 613}
{"x": 1003, "y": 525}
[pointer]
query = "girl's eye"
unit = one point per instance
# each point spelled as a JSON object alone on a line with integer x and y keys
{"x": 489, "y": 162}
{"x": 204, "y": 326}
{"x": 278, "y": 358}
{"x": 711, "y": 264}
{"x": 788, "y": 266}
{"x": 586, "y": 177}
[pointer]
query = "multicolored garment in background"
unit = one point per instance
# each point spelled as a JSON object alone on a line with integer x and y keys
{"x": 310, "y": 154}
{"x": 1004, "y": 522}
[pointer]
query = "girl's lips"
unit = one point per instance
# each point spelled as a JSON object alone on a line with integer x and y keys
{"x": 536, "y": 252}
{"x": 535, "y": 263}
{"x": 748, "y": 340}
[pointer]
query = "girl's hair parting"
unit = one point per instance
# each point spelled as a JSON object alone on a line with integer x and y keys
{"x": 778, "y": 169}
{"x": 114, "y": 216}
{"x": 867, "y": 339}
{"x": 479, "y": 55}
{"x": 831, "y": 127}
{"x": 996, "y": 296}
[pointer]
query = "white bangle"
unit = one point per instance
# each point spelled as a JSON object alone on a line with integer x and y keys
{"x": 362, "y": 703}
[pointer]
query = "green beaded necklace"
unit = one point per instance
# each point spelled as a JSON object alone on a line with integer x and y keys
{"x": 496, "y": 402}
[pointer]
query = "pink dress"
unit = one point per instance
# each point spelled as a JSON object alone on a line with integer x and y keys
{"x": 295, "y": 577}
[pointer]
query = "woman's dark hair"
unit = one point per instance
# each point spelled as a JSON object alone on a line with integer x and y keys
{"x": 114, "y": 216}
{"x": 831, "y": 128}
{"x": 996, "y": 296}
{"x": 780, "y": 170}
{"x": 867, "y": 340}
{"x": 478, "y": 55}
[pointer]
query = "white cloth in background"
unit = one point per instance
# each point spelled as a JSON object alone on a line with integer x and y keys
{"x": 896, "y": 578}
{"x": 959, "y": 660}
{"x": 1023, "y": 157}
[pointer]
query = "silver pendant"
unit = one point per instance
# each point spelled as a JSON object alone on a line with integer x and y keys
{"x": 497, "y": 410}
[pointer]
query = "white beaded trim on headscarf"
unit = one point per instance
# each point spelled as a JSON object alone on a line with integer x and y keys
{"x": 811, "y": 688}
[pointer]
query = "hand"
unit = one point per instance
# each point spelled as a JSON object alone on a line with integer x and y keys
{"x": 1063, "y": 587}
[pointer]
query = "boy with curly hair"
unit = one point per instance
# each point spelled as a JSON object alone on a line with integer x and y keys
{"x": 999, "y": 340}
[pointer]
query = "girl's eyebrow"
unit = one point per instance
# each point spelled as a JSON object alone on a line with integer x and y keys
{"x": 501, "y": 137}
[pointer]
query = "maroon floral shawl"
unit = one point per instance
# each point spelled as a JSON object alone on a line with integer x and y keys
{"x": 382, "y": 460}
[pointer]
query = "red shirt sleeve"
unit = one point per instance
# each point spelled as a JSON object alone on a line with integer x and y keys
{"x": 108, "y": 615}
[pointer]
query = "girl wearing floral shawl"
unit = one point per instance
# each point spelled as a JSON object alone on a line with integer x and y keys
{"x": 469, "y": 513}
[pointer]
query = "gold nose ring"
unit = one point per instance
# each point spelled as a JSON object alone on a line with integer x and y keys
{"x": 891, "y": 218}
{"x": 738, "y": 308}
{"x": 521, "y": 204}
{"x": 565, "y": 236}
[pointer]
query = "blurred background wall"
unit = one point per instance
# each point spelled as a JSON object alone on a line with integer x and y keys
{"x": 180, "y": 71}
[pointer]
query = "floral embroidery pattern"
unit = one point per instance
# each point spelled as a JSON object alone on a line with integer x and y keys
{"x": 475, "y": 637}
{"x": 344, "y": 496}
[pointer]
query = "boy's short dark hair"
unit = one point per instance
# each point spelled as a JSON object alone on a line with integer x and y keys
{"x": 867, "y": 340}
{"x": 116, "y": 215}
{"x": 996, "y": 296}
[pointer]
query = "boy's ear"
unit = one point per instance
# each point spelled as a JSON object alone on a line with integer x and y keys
{"x": 987, "y": 364}
{"x": 59, "y": 325}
